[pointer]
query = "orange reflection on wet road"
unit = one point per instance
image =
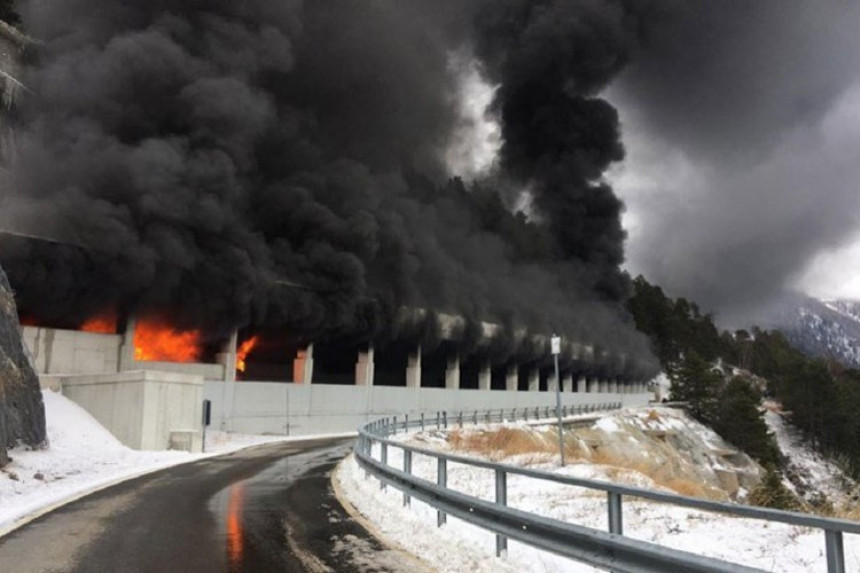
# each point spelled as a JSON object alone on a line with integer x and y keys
{"x": 235, "y": 537}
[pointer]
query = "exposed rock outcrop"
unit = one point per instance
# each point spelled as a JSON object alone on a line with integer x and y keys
{"x": 22, "y": 411}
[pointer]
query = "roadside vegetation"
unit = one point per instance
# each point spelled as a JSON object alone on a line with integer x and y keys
{"x": 723, "y": 376}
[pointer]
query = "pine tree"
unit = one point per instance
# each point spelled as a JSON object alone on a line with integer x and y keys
{"x": 773, "y": 494}
{"x": 696, "y": 383}
{"x": 739, "y": 421}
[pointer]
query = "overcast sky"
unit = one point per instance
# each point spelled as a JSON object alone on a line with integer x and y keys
{"x": 741, "y": 122}
{"x": 742, "y": 178}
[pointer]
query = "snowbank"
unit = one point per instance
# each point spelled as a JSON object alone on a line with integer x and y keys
{"x": 83, "y": 457}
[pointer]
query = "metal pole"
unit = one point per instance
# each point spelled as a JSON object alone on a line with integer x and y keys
{"x": 501, "y": 499}
{"x": 558, "y": 412}
{"x": 835, "y": 551}
{"x": 441, "y": 480}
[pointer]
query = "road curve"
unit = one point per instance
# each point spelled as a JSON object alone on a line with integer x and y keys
{"x": 269, "y": 508}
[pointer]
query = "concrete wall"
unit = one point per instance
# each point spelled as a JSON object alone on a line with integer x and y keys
{"x": 143, "y": 409}
{"x": 296, "y": 409}
{"x": 72, "y": 352}
{"x": 58, "y": 351}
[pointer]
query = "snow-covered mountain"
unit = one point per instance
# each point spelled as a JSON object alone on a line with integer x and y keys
{"x": 823, "y": 328}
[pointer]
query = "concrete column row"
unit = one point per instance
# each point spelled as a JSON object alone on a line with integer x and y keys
{"x": 303, "y": 367}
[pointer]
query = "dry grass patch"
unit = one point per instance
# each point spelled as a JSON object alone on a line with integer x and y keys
{"x": 506, "y": 442}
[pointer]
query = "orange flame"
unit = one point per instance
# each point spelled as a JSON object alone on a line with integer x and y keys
{"x": 243, "y": 352}
{"x": 104, "y": 323}
{"x": 155, "y": 340}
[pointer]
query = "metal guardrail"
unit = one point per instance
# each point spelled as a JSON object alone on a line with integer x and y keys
{"x": 609, "y": 550}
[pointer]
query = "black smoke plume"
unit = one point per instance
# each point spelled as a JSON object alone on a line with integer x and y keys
{"x": 280, "y": 163}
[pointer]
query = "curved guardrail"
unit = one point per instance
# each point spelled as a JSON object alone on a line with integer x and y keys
{"x": 609, "y": 550}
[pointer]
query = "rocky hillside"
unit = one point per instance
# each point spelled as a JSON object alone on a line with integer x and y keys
{"x": 660, "y": 447}
{"x": 22, "y": 413}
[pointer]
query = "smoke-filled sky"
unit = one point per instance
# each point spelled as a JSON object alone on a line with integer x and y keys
{"x": 742, "y": 125}
{"x": 287, "y": 162}
{"x": 208, "y": 156}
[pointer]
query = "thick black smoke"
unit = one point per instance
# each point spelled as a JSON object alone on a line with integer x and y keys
{"x": 264, "y": 162}
{"x": 741, "y": 125}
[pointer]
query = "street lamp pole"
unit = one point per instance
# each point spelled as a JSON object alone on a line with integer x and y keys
{"x": 556, "y": 350}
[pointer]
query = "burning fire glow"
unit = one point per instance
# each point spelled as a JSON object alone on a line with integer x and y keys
{"x": 243, "y": 352}
{"x": 101, "y": 324}
{"x": 155, "y": 340}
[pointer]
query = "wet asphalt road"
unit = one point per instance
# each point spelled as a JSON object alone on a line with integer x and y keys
{"x": 270, "y": 508}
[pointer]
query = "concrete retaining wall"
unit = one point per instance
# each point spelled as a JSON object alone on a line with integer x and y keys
{"x": 296, "y": 409}
{"x": 143, "y": 409}
{"x": 58, "y": 351}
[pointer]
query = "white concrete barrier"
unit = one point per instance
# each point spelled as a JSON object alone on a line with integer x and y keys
{"x": 301, "y": 409}
{"x": 143, "y": 408}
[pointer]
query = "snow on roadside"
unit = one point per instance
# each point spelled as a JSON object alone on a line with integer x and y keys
{"x": 82, "y": 456}
{"x": 459, "y": 546}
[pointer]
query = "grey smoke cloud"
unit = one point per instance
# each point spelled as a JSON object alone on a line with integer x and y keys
{"x": 741, "y": 124}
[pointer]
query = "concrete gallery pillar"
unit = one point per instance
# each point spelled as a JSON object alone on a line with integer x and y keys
{"x": 534, "y": 380}
{"x": 452, "y": 372}
{"x": 511, "y": 378}
{"x": 364, "y": 368}
{"x": 567, "y": 382}
{"x": 581, "y": 385}
{"x": 303, "y": 365}
{"x": 227, "y": 357}
{"x": 126, "y": 349}
{"x": 485, "y": 376}
{"x": 551, "y": 382}
{"x": 413, "y": 368}
{"x": 228, "y": 396}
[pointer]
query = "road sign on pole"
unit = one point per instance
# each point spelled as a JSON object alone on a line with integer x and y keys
{"x": 555, "y": 345}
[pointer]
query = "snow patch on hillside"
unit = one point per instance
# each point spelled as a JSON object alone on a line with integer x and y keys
{"x": 811, "y": 474}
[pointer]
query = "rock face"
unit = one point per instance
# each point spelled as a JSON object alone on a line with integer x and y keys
{"x": 22, "y": 411}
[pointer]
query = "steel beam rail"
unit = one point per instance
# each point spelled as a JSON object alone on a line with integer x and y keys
{"x": 378, "y": 432}
{"x": 600, "y": 549}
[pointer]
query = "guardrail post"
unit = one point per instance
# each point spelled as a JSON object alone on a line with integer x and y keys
{"x": 384, "y": 459}
{"x": 513, "y": 415}
{"x": 501, "y": 499}
{"x": 460, "y": 420}
{"x": 407, "y": 468}
{"x": 438, "y": 422}
{"x": 394, "y": 425}
{"x": 441, "y": 481}
{"x": 537, "y": 413}
{"x": 445, "y": 419}
{"x": 475, "y": 418}
{"x": 615, "y": 519}
{"x": 835, "y": 551}
{"x": 422, "y": 422}
{"x": 526, "y": 414}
